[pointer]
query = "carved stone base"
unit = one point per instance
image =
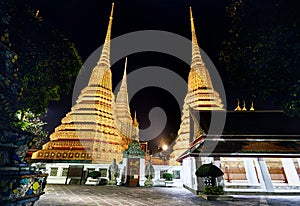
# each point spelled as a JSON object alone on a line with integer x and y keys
{"x": 112, "y": 182}
{"x": 148, "y": 183}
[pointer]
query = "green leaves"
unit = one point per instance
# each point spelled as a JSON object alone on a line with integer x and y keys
{"x": 168, "y": 176}
{"x": 48, "y": 62}
{"x": 213, "y": 190}
{"x": 208, "y": 170}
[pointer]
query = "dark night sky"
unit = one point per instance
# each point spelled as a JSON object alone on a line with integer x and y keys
{"x": 85, "y": 24}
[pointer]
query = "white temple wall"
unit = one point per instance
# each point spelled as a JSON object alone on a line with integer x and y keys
{"x": 250, "y": 171}
{"x": 290, "y": 171}
{"x": 264, "y": 175}
{"x": 57, "y": 177}
{"x": 189, "y": 169}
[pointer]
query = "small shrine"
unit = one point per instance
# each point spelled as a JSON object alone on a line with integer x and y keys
{"x": 134, "y": 165}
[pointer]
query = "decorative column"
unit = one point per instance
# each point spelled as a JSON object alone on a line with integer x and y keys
{"x": 192, "y": 172}
{"x": 189, "y": 169}
{"x": 186, "y": 168}
{"x": 298, "y": 160}
{"x": 200, "y": 181}
{"x": 142, "y": 171}
{"x": 290, "y": 171}
{"x": 263, "y": 175}
{"x": 250, "y": 171}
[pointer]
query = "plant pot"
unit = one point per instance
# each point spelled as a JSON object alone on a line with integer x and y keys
{"x": 216, "y": 197}
{"x": 169, "y": 183}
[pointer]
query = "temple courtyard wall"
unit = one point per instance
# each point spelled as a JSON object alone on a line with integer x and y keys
{"x": 240, "y": 174}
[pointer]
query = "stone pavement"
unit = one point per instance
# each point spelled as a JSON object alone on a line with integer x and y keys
{"x": 59, "y": 195}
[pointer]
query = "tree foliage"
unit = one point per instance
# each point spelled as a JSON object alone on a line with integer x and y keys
{"x": 48, "y": 61}
{"x": 32, "y": 124}
{"x": 37, "y": 65}
{"x": 9, "y": 85}
{"x": 262, "y": 50}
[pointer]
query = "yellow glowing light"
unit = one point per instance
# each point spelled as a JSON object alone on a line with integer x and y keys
{"x": 165, "y": 147}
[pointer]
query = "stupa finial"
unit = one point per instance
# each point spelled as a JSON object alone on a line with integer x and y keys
{"x": 105, "y": 55}
{"x": 125, "y": 69}
{"x": 192, "y": 19}
{"x": 112, "y": 10}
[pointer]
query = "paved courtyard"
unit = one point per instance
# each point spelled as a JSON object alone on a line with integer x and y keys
{"x": 115, "y": 195}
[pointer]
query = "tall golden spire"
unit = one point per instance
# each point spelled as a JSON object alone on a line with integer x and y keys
{"x": 105, "y": 55}
{"x": 200, "y": 89}
{"x": 197, "y": 64}
{"x": 122, "y": 103}
{"x": 103, "y": 65}
{"x": 124, "y": 80}
{"x": 89, "y": 132}
{"x": 200, "y": 96}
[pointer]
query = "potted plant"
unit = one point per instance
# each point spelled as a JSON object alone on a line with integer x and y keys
{"x": 94, "y": 174}
{"x": 168, "y": 176}
{"x": 94, "y": 178}
{"x": 168, "y": 179}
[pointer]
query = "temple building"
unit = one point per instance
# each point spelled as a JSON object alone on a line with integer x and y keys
{"x": 97, "y": 129}
{"x": 201, "y": 95}
{"x": 257, "y": 150}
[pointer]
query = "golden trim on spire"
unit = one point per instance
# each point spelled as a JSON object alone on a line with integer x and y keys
{"x": 192, "y": 19}
{"x": 112, "y": 10}
{"x": 105, "y": 55}
{"x": 199, "y": 80}
{"x": 194, "y": 37}
{"x": 125, "y": 70}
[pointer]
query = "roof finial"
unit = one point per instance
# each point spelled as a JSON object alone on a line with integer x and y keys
{"x": 252, "y": 107}
{"x": 238, "y": 108}
{"x": 244, "y": 106}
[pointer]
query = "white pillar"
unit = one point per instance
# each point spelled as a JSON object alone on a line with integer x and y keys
{"x": 290, "y": 171}
{"x": 188, "y": 168}
{"x": 263, "y": 175}
{"x": 142, "y": 171}
{"x": 250, "y": 171}
{"x": 298, "y": 159}
{"x": 200, "y": 181}
{"x": 220, "y": 180}
{"x": 193, "y": 175}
